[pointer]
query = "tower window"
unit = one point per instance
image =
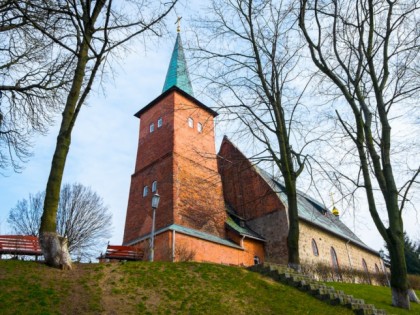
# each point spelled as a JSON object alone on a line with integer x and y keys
{"x": 190, "y": 122}
{"x": 160, "y": 122}
{"x": 315, "y": 248}
{"x": 154, "y": 186}
{"x": 145, "y": 191}
{"x": 152, "y": 127}
{"x": 200, "y": 127}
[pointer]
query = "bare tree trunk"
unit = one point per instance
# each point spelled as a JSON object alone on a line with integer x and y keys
{"x": 293, "y": 235}
{"x": 53, "y": 246}
{"x": 55, "y": 250}
{"x": 399, "y": 279}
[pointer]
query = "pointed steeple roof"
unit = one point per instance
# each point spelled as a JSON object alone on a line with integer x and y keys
{"x": 177, "y": 74}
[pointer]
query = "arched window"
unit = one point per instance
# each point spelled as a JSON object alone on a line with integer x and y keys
{"x": 160, "y": 122}
{"x": 190, "y": 122}
{"x": 315, "y": 248}
{"x": 199, "y": 127}
{"x": 365, "y": 268}
{"x": 145, "y": 191}
{"x": 152, "y": 127}
{"x": 377, "y": 268}
{"x": 154, "y": 186}
{"x": 334, "y": 262}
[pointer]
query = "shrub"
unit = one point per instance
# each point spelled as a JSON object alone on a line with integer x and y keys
{"x": 414, "y": 281}
{"x": 324, "y": 272}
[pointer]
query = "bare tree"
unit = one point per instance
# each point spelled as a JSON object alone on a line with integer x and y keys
{"x": 250, "y": 62}
{"x": 88, "y": 31}
{"x": 25, "y": 217}
{"x": 33, "y": 81}
{"x": 82, "y": 218}
{"x": 369, "y": 51}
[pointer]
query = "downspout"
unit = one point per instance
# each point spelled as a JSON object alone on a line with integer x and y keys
{"x": 242, "y": 241}
{"x": 173, "y": 245}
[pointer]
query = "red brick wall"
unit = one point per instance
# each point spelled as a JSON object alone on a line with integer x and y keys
{"x": 139, "y": 210}
{"x": 254, "y": 200}
{"x": 243, "y": 187}
{"x": 198, "y": 197}
{"x": 152, "y": 146}
{"x": 206, "y": 251}
{"x": 183, "y": 161}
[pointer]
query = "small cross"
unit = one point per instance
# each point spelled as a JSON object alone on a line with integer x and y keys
{"x": 178, "y": 20}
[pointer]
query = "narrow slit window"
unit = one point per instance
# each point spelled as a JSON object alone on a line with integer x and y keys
{"x": 200, "y": 127}
{"x": 365, "y": 268}
{"x": 190, "y": 122}
{"x": 315, "y": 248}
{"x": 160, "y": 122}
{"x": 154, "y": 186}
{"x": 145, "y": 191}
{"x": 152, "y": 127}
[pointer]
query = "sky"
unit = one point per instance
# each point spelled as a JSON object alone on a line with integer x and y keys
{"x": 104, "y": 143}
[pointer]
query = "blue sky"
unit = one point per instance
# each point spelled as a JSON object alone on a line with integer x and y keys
{"x": 104, "y": 143}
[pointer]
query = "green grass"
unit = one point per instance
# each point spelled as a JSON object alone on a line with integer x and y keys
{"x": 152, "y": 288}
{"x": 379, "y": 296}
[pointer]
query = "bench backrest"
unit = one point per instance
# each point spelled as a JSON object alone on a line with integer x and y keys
{"x": 20, "y": 244}
{"x": 124, "y": 252}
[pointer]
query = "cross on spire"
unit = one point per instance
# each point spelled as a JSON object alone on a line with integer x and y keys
{"x": 178, "y": 21}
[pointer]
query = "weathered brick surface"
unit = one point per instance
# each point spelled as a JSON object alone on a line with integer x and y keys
{"x": 254, "y": 200}
{"x": 345, "y": 253}
{"x": 206, "y": 251}
{"x": 198, "y": 197}
{"x": 243, "y": 188}
{"x": 139, "y": 210}
{"x": 183, "y": 162}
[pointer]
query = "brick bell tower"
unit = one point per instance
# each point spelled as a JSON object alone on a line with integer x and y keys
{"x": 176, "y": 157}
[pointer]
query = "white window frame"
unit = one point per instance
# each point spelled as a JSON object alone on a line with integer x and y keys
{"x": 145, "y": 191}
{"x": 154, "y": 186}
{"x": 199, "y": 127}
{"x": 152, "y": 127}
{"x": 160, "y": 122}
{"x": 190, "y": 122}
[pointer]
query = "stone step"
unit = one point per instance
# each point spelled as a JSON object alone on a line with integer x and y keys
{"x": 317, "y": 289}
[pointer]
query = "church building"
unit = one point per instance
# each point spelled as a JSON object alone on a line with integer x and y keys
{"x": 219, "y": 207}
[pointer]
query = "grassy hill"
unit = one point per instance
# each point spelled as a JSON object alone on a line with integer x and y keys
{"x": 145, "y": 288}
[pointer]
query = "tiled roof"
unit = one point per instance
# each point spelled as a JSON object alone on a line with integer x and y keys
{"x": 314, "y": 212}
{"x": 177, "y": 74}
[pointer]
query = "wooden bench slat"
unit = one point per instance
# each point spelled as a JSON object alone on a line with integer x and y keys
{"x": 20, "y": 245}
{"x": 120, "y": 252}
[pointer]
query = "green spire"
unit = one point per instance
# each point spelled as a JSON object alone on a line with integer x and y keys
{"x": 177, "y": 74}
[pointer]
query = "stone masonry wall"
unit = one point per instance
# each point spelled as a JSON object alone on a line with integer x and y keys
{"x": 274, "y": 228}
{"x": 345, "y": 253}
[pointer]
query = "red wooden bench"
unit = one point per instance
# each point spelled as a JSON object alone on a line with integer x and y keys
{"x": 20, "y": 245}
{"x": 118, "y": 252}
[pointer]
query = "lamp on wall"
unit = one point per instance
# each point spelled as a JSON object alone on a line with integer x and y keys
{"x": 155, "y": 204}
